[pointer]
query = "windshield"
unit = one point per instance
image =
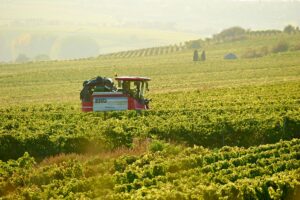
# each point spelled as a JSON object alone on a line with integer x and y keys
{"x": 135, "y": 89}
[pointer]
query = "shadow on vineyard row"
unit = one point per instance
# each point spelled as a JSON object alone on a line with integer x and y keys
{"x": 82, "y": 133}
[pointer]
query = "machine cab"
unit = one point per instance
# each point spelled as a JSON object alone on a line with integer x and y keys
{"x": 100, "y": 94}
{"x": 133, "y": 86}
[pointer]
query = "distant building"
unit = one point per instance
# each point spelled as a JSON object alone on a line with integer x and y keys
{"x": 230, "y": 56}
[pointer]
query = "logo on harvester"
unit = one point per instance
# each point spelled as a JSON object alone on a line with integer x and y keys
{"x": 100, "y": 100}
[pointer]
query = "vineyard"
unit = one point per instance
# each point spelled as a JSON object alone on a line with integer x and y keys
{"x": 263, "y": 172}
{"x": 217, "y": 129}
{"x": 155, "y": 51}
{"x": 211, "y": 118}
{"x": 164, "y": 172}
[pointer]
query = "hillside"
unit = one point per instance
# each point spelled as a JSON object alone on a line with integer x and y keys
{"x": 217, "y": 129}
{"x": 75, "y": 28}
{"x": 61, "y": 81}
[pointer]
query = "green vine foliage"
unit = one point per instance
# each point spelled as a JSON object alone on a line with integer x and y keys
{"x": 211, "y": 118}
{"x": 260, "y": 172}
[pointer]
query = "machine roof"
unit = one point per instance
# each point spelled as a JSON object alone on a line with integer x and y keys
{"x": 132, "y": 78}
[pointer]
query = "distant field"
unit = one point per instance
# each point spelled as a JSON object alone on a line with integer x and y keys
{"x": 67, "y": 41}
{"x": 61, "y": 81}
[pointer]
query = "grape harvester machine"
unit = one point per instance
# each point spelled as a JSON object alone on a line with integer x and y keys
{"x": 100, "y": 94}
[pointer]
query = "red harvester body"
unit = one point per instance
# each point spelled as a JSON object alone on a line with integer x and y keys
{"x": 100, "y": 94}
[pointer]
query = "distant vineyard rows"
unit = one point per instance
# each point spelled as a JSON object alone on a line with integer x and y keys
{"x": 155, "y": 51}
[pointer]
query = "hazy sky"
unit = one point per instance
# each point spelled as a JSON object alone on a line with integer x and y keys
{"x": 33, "y": 27}
{"x": 198, "y": 16}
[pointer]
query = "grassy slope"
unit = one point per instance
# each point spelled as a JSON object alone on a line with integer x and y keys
{"x": 61, "y": 81}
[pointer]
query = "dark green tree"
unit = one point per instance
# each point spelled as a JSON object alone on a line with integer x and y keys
{"x": 42, "y": 57}
{"x": 289, "y": 29}
{"x": 22, "y": 58}
{"x": 194, "y": 44}
{"x": 281, "y": 46}
{"x": 196, "y": 56}
{"x": 231, "y": 34}
{"x": 203, "y": 56}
